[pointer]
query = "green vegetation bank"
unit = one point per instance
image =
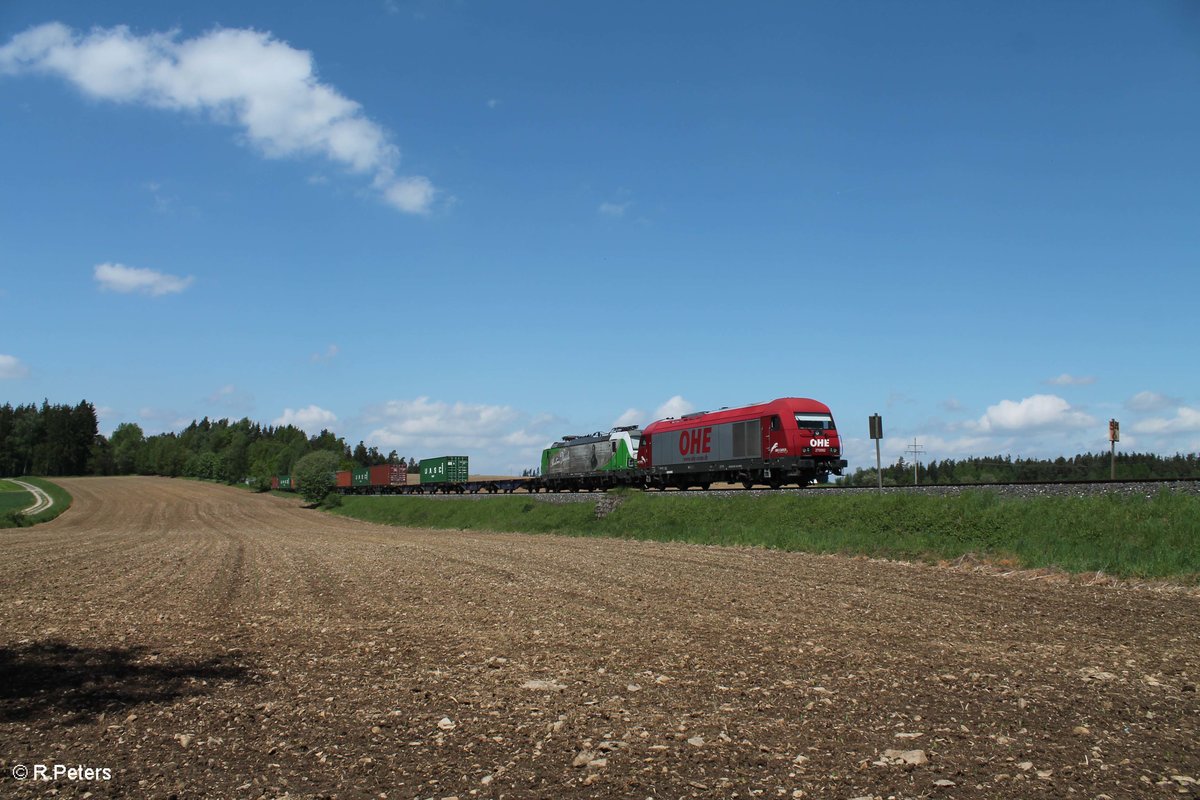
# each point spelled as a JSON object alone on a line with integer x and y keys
{"x": 1129, "y": 537}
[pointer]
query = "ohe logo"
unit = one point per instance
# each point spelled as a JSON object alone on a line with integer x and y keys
{"x": 695, "y": 442}
{"x": 818, "y": 442}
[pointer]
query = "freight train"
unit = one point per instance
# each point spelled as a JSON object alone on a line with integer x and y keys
{"x": 792, "y": 440}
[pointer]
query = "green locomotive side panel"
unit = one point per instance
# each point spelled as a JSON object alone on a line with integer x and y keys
{"x": 550, "y": 457}
{"x": 592, "y": 454}
{"x": 360, "y": 476}
{"x": 621, "y": 459}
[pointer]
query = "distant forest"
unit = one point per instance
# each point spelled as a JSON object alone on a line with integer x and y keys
{"x": 1005, "y": 469}
{"x": 55, "y": 440}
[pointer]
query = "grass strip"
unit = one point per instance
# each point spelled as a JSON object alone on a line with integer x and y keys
{"x": 12, "y": 500}
{"x": 1129, "y": 537}
{"x": 62, "y": 501}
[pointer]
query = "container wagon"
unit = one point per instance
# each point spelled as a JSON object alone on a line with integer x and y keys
{"x": 444, "y": 469}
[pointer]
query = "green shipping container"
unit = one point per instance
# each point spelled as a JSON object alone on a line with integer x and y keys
{"x": 360, "y": 476}
{"x": 446, "y": 469}
{"x": 285, "y": 482}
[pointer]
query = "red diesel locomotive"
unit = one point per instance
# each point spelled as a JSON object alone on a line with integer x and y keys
{"x": 790, "y": 440}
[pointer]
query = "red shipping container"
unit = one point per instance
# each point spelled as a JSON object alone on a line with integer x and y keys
{"x": 274, "y": 481}
{"x": 343, "y": 478}
{"x": 389, "y": 475}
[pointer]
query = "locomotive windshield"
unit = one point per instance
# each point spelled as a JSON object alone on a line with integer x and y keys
{"x": 814, "y": 422}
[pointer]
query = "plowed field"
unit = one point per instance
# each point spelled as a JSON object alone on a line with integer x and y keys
{"x": 200, "y": 641}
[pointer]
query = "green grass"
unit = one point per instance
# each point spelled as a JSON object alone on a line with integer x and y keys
{"x": 13, "y": 498}
{"x": 1131, "y": 537}
{"x": 11, "y": 517}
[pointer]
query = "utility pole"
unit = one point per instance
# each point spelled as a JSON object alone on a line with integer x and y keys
{"x": 876, "y": 423}
{"x": 916, "y": 451}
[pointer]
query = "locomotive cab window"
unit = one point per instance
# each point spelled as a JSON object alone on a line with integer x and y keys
{"x": 776, "y": 424}
{"x": 814, "y": 422}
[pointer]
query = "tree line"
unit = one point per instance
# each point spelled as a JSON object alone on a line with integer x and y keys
{"x": 56, "y": 440}
{"x": 1005, "y": 469}
{"x": 47, "y": 440}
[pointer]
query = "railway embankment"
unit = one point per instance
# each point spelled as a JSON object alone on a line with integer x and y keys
{"x": 1128, "y": 531}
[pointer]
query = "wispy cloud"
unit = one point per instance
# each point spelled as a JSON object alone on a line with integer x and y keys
{"x": 329, "y": 354}
{"x": 229, "y": 397}
{"x": 247, "y": 78}
{"x": 615, "y": 210}
{"x": 11, "y": 368}
{"x": 1186, "y": 420}
{"x": 1066, "y": 379}
{"x": 1149, "y": 402}
{"x": 127, "y": 280}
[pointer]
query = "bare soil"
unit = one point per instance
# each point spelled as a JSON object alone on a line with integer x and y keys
{"x": 201, "y": 641}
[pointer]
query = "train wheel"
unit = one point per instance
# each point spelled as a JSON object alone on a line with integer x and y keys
{"x": 747, "y": 484}
{"x": 776, "y": 483}
{"x": 704, "y": 486}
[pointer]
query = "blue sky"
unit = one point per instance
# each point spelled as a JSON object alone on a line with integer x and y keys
{"x": 474, "y": 227}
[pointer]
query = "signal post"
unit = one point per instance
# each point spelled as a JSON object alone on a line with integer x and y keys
{"x": 876, "y": 423}
{"x": 1114, "y": 436}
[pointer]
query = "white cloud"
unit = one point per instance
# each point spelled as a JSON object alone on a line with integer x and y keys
{"x": 1038, "y": 411}
{"x": 411, "y": 195}
{"x": 952, "y": 404}
{"x": 613, "y": 209}
{"x": 310, "y": 419}
{"x": 241, "y": 77}
{"x": 425, "y": 422}
{"x": 330, "y": 354}
{"x": 1148, "y": 402}
{"x": 1186, "y": 420}
{"x": 675, "y": 407}
{"x": 1066, "y": 379}
{"x": 11, "y": 368}
{"x": 631, "y": 416}
{"x": 120, "y": 278}
{"x": 498, "y": 438}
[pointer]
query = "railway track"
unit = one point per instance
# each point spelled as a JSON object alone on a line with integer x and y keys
{"x": 1143, "y": 486}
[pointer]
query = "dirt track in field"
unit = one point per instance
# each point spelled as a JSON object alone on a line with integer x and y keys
{"x": 201, "y": 641}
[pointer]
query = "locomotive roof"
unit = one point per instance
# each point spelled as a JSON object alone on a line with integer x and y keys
{"x": 783, "y": 405}
{"x": 593, "y": 438}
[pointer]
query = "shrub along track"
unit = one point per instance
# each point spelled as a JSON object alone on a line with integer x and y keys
{"x": 201, "y": 641}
